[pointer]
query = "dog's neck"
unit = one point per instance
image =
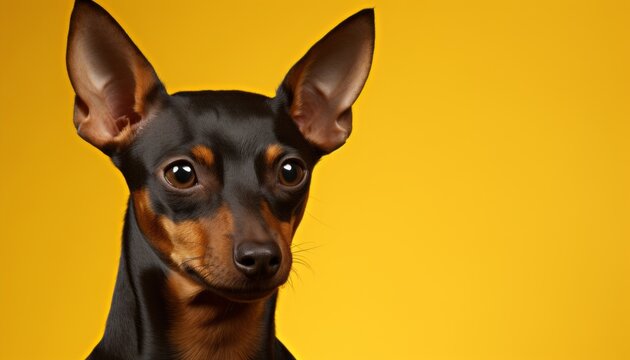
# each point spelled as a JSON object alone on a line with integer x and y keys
{"x": 206, "y": 326}
{"x": 159, "y": 314}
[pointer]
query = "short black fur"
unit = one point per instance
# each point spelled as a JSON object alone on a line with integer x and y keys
{"x": 236, "y": 210}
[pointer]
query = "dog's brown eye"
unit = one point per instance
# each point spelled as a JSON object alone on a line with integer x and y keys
{"x": 181, "y": 175}
{"x": 291, "y": 173}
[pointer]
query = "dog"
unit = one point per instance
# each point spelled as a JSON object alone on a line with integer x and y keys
{"x": 218, "y": 184}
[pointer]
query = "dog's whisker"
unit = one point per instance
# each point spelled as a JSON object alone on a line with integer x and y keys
{"x": 290, "y": 281}
{"x": 298, "y": 251}
{"x": 305, "y": 264}
{"x": 317, "y": 219}
{"x": 296, "y": 273}
{"x": 311, "y": 244}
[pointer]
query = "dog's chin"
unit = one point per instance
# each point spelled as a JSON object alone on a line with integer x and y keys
{"x": 245, "y": 291}
{"x": 243, "y": 295}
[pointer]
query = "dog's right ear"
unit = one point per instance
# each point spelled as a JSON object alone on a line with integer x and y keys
{"x": 116, "y": 87}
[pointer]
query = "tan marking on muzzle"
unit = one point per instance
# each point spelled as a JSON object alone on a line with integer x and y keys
{"x": 285, "y": 229}
{"x": 188, "y": 242}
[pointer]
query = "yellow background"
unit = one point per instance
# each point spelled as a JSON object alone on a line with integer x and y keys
{"x": 479, "y": 211}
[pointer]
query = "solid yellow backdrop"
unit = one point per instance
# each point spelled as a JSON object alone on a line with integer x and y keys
{"x": 479, "y": 211}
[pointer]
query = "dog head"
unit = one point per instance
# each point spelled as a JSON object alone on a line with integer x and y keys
{"x": 218, "y": 179}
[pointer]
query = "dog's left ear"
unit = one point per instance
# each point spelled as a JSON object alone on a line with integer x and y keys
{"x": 324, "y": 84}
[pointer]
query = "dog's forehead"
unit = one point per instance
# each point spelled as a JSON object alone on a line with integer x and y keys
{"x": 236, "y": 124}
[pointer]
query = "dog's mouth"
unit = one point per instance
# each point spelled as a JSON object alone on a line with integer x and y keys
{"x": 239, "y": 291}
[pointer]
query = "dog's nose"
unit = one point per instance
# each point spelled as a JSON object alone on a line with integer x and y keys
{"x": 258, "y": 260}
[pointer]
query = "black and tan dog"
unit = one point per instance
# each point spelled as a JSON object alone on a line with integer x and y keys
{"x": 218, "y": 181}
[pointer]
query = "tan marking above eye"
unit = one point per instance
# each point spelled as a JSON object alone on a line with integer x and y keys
{"x": 203, "y": 155}
{"x": 272, "y": 153}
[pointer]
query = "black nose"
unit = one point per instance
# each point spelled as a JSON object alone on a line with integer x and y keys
{"x": 258, "y": 260}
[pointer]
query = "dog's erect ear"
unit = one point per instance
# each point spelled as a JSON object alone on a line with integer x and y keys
{"x": 116, "y": 87}
{"x": 325, "y": 83}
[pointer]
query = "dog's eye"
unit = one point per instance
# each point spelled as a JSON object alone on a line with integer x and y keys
{"x": 180, "y": 174}
{"x": 291, "y": 172}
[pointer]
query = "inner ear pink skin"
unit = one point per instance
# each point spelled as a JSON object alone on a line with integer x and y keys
{"x": 114, "y": 83}
{"x": 328, "y": 80}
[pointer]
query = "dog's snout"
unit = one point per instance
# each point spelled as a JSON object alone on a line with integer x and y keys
{"x": 258, "y": 260}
